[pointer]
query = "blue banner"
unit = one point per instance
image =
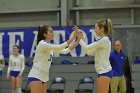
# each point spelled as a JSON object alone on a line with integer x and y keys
{"x": 26, "y": 38}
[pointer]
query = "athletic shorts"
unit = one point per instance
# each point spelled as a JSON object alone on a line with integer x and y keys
{"x": 108, "y": 74}
{"x": 14, "y": 73}
{"x": 0, "y": 73}
{"x": 31, "y": 79}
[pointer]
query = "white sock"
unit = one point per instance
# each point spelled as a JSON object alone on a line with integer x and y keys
{"x": 19, "y": 90}
{"x": 13, "y": 91}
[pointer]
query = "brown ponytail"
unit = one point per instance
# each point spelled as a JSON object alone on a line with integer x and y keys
{"x": 42, "y": 29}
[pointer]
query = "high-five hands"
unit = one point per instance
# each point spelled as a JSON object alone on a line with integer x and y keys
{"x": 77, "y": 33}
{"x": 75, "y": 28}
{"x": 80, "y": 35}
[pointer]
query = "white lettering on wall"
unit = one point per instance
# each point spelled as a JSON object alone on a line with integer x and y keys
{"x": 34, "y": 44}
{"x": 1, "y": 38}
{"x": 12, "y": 40}
{"x": 57, "y": 35}
{"x": 73, "y": 52}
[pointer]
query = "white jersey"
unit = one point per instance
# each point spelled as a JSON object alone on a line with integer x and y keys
{"x": 43, "y": 59}
{"x": 2, "y": 62}
{"x": 101, "y": 49}
{"x": 16, "y": 63}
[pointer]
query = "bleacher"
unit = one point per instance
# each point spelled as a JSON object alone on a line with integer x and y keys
{"x": 136, "y": 77}
{"x": 71, "y": 72}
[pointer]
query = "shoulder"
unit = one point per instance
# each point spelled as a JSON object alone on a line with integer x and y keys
{"x": 21, "y": 56}
{"x": 11, "y": 56}
{"x": 42, "y": 43}
{"x": 113, "y": 51}
{"x": 104, "y": 39}
{"x": 122, "y": 53}
{"x": 105, "y": 42}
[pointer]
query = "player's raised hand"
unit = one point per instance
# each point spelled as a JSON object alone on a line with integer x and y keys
{"x": 75, "y": 28}
{"x": 80, "y": 35}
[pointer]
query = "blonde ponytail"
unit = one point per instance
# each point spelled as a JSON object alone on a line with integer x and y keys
{"x": 106, "y": 25}
{"x": 109, "y": 27}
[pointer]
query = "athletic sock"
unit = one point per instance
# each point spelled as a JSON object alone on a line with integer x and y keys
{"x": 19, "y": 90}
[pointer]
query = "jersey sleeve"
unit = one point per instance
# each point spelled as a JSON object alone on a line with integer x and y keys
{"x": 63, "y": 51}
{"x": 54, "y": 47}
{"x": 22, "y": 63}
{"x": 94, "y": 46}
{"x": 9, "y": 66}
{"x": 91, "y": 53}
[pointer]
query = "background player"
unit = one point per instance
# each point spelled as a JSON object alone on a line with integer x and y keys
{"x": 102, "y": 49}
{"x": 15, "y": 69}
{"x": 39, "y": 74}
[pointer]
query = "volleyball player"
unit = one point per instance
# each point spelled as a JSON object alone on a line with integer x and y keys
{"x": 15, "y": 69}
{"x": 39, "y": 74}
{"x": 101, "y": 49}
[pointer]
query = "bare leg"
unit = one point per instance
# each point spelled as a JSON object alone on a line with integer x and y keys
{"x": 103, "y": 84}
{"x": 44, "y": 88}
{"x": 18, "y": 84}
{"x": 36, "y": 87}
{"x": 13, "y": 84}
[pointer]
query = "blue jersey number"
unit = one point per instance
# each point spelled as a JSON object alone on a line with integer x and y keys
{"x": 50, "y": 58}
